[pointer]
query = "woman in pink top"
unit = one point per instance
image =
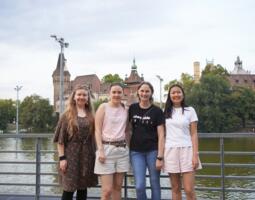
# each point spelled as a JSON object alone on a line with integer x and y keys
{"x": 112, "y": 156}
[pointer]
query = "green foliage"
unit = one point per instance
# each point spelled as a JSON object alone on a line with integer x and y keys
{"x": 215, "y": 70}
{"x": 36, "y": 114}
{"x": 211, "y": 100}
{"x": 109, "y": 78}
{"x": 7, "y": 113}
{"x": 168, "y": 85}
{"x": 186, "y": 81}
{"x": 243, "y": 104}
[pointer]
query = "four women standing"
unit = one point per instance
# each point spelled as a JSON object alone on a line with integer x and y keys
{"x": 178, "y": 154}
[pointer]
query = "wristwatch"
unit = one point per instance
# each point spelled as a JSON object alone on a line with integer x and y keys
{"x": 160, "y": 158}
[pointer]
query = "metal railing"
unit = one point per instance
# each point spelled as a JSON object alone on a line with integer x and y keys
{"x": 38, "y": 151}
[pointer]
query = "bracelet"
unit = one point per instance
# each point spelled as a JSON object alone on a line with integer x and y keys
{"x": 160, "y": 158}
{"x": 62, "y": 157}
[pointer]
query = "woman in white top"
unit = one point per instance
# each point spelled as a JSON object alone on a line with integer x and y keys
{"x": 181, "y": 146}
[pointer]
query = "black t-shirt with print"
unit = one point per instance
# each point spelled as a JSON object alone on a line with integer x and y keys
{"x": 144, "y": 123}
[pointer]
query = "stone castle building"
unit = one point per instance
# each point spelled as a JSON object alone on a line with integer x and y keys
{"x": 237, "y": 77}
{"x": 99, "y": 90}
{"x": 241, "y": 77}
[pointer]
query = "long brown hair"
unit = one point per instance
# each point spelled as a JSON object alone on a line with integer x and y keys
{"x": 71, "y": 112}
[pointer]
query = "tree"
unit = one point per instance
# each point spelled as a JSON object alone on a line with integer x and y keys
{"x": 243, "y": 104}
{"x": 7, "y": 113}
{"x": 215, "y": 70}
{"x": 109, "y": 78}
{"x": 213, "y": 105}
{"x": 186, "y": 81}
{"x": 36, "y": 114}
{"x": 168, "y": 85}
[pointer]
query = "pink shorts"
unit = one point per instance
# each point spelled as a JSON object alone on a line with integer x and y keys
{"x": 179, "y": 160}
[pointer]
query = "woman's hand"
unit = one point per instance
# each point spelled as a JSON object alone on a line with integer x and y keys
{"x": 195, "y": 161}
{"x": 159, "y": 164}
{"x": 101, "y": 156}
{"x": 63, "y": 165}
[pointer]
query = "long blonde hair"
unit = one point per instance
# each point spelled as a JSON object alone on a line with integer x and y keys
{"x": 71, "y": 112}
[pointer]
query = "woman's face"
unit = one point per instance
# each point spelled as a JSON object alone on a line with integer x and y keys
{"x": 116, "y": 94}
{"x": 144, "y": 93}
{"x": 176, "y": 95}
{"x": 81, "y": 97}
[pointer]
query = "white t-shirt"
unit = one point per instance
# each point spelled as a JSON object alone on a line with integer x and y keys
{"x": 178, "y": 127}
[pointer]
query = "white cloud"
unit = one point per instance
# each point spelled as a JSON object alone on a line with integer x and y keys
{"x": 166, "y": 37}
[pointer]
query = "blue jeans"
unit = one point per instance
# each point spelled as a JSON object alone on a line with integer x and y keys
{"x": 140, "y": 161}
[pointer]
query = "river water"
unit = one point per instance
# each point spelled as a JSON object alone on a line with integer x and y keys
{"x": 243, "y": 144}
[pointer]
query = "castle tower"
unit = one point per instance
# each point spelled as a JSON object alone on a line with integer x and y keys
{"x": 196, "y": 66}
{"x": 132, "y": 82}
{"x": 56, "y": 83}
{"x": 239, "y": 67}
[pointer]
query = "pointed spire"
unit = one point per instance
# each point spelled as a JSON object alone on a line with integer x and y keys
{"x": 134, "y": 67}
{"x": 57, "y": 70}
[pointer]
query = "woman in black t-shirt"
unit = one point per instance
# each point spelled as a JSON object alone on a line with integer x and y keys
{"x": 147, "y": 142}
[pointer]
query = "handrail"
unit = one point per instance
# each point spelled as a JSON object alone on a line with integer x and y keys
{"x": 222, "y": 153}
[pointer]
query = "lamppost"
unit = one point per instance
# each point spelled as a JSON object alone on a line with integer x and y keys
{"x": 63, "y": 45}
{"x": 17, "y": 88}
{"x": 160, "y": 81}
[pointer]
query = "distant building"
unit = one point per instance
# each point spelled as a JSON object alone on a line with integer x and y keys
{"x": 237, "y": 77}
{"x": 196, "y": 66}
{"x": 99, "y": 90}
{"x": 241, "y": 77}
{"x": 238, "y": 69}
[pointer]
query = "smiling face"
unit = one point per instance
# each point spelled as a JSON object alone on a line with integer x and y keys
{"x": 81, "y": 97}
{"x": 144, "y": 93}
{"x": 176, "y": 95}
{"x": 116, "y": 93}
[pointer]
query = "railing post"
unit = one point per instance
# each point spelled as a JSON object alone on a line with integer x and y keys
{"x": 125, "y": 187}
{"x": 222, "y": 168}
{"x": 38, "y": 169}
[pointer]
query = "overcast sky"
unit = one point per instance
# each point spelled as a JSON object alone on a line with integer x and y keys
{"x": 165, "y": 37}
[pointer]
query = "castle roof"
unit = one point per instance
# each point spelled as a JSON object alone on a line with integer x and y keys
{"x": 134, "y": 77}
{"x": 57, "y": 70}
{"x": 239, "y": 67}
{"x": 90, "y": 80}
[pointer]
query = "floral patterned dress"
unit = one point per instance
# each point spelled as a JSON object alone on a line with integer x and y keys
{"x": 80, "y": 154}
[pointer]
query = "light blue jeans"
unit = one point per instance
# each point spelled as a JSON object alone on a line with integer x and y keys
{"x": 140, "y": 161}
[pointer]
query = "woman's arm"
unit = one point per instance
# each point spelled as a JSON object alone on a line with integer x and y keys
{"x": 99, "y": 118}
{"x": 128, "y": 131}
{"x": 62, "y": 158}
{"x": 61, "y": 150}
{"x": 161, "y": 146}
{"x": 194, "y": 140}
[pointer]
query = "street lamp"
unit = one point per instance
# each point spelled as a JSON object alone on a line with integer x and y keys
{"x": 160, "y": 81}
{"x": 63, "y": 45}
{"x": 17, "y": 88}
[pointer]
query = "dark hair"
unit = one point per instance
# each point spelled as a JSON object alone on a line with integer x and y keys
{"x": 150, "y": 86}
{"x": 120, "y": 85}
{"x": 169, "y": 104}
{"x": 116, "y": 84}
